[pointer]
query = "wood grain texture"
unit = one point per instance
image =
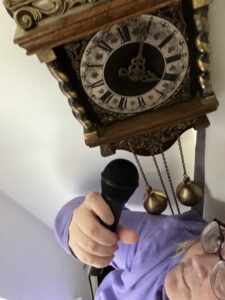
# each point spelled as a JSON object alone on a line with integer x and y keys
{"x": 74, "y": 25}
{"x": 153, "y": 120}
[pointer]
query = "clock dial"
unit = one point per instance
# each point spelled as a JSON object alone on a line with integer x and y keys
{"x": 135, "y": 66}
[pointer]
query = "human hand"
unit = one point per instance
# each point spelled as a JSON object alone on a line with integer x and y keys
{"x": 90, "y": 241}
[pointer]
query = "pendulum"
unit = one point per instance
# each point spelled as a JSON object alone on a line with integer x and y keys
{"x": 155, "y": 201}
{"x": 188, "y": 192}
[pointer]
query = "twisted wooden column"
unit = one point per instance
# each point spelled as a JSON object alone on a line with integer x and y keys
{"x": 67, "y": 89}
{"x": 202, "y": 44}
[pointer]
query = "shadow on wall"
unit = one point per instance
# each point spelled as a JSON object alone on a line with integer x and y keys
{"x": 33, "y": 265}
{"x": 213, "y": 208}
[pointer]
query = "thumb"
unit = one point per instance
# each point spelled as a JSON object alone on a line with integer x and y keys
{"x": 126, "y": 235}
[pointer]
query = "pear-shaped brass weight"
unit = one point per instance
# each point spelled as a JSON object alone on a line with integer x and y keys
{"x": 189, "y": 193}
{"x": 155, "y": 201}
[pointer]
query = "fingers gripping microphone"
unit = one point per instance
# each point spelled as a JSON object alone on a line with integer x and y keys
{"x": 119, "y": 180}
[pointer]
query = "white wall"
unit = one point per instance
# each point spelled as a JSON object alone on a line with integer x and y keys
{"x": 215, "y": 143}
{"x": 32, "y": 264}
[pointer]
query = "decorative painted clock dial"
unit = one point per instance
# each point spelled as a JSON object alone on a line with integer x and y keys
{"x": 134, "y": 66}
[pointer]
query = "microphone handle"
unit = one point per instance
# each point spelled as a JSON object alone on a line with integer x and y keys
{"x": 116, "y": 208}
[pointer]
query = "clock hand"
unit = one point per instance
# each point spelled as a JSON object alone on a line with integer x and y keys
{"x": 149, "y": 76}
{"x": 137, "y": 66}
{"x": 141, "y": 46}
{"x": 123, "y": 72}
{"x": 136, "y": 70}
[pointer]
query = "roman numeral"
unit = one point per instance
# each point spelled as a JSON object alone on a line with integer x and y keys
{"x": 103, "y": 45}
{"x": 123, "y": 103}
{"x": 107, "y": 96}
{"x": 170, "y": 77}
{"x": 124, "y": 33}
{"x": 173, "y": 58}
{"x": 97, "y": 84}
{"x": 93, "y": 66}
{"x": 163, "y": 43}
{"x": 141, "y": 101}
{"x": 149, "y": 25}
{"x": 159, "y": 92}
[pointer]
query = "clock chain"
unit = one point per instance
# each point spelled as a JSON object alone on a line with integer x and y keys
{"x": 162, "y": 182}
{"x": 155, "y": 201}
{"x": 170, "y": 180}
{"x": 187, "y": 192}
{"x": 182, "y": 158}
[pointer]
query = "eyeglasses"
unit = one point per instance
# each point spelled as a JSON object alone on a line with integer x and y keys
{"x": 212, "y": 239}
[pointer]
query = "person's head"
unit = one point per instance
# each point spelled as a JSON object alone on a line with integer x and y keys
{"x": 199, "y": 275}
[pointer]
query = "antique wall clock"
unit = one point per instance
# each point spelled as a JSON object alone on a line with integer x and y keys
{"x": 136, "y": 73}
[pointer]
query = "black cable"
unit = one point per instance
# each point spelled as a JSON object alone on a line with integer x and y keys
{"x": 92, "y": 293}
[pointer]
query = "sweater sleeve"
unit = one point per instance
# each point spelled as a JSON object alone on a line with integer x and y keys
{"x": 141, "y": 222}
{"x": 63, "y": 220}
{"x": 144, "y": 224}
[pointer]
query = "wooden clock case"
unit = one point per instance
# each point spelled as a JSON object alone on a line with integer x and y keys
{"x": 48, "y": 29}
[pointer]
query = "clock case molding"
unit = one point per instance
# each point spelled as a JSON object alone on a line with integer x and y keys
{"x": 58, "y": 32}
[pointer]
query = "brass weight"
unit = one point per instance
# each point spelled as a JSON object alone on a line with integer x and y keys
{"x": 155, "y": 201}
{"x": 189, "y": 193}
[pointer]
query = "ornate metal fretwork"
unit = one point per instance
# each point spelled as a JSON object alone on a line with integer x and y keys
{"x": 75, "y": 52}
{"x": 155, "y": 141}
{"x": 28, "y": 13}
{"x": 66, "y": 87}
{"x": 173, "y": 13}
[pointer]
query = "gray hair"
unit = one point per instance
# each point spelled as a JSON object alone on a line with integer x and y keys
{"x": 185, "y": 246}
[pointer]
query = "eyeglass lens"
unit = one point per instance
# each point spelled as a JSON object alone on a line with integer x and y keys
{"x": 219, "y": 281}
{"x": 211, "y": 238}
{"x": 211, "y": 241}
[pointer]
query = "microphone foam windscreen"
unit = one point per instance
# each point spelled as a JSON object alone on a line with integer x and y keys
{"x": 119, "y": 179}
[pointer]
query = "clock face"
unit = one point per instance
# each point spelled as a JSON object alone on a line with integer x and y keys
{"x": 134, "y": 66}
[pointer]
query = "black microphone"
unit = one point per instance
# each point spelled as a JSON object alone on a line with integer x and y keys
{"x": 119, "y": 180}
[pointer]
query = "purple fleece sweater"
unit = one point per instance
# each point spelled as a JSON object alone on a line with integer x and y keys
{"x": 140, "y": 269}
